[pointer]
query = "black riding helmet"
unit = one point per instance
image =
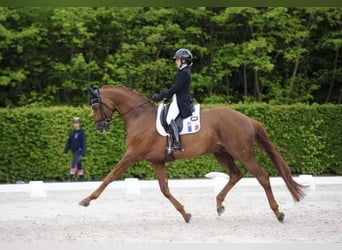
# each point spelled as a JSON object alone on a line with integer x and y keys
{"x": 184, "y": 54}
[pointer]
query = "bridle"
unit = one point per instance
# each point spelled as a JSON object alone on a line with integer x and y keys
{"x": 103, "y": 115}
{"x": 97, "y": 100}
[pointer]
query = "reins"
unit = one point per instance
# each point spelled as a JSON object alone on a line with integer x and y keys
{"x": 123, "y": 113}
{"x": 97, "y": 100}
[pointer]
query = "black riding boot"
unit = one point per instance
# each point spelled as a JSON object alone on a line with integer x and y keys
{"x": 176, "y": 146}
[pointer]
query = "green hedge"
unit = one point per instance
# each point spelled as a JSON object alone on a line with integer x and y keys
{"x": 309, "y": 137}
{"x": 32, "y": 141}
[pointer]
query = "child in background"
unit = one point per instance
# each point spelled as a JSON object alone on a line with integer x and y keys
{"x": 77, "y": 144}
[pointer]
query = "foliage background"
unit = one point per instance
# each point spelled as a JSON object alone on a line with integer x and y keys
{"x": 284, "y": 61}
{"x": 33, "y": 139}
{"x": 278, "y": 55}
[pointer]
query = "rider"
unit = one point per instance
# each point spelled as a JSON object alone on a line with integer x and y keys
{"x": 180, "y": 92}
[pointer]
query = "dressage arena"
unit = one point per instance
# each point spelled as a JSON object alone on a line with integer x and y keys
{"x": 133, "y": 211}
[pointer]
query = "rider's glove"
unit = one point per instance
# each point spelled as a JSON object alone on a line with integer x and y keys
{"x": 156, "y": 98}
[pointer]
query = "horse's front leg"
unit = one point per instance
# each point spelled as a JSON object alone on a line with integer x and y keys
{"x": 122, "y": 166}
{"x": 160, "y": 171}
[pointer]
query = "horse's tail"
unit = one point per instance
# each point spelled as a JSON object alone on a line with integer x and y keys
{"x": 265, "y": 143}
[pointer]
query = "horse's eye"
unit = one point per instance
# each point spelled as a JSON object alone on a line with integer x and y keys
{"x": 108, "y": 120}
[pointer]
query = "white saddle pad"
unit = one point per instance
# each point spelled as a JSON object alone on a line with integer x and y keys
{"x": 190, "y": 125}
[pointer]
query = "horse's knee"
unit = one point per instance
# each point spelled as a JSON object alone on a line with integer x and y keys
{"x": 165, "y": 191}
{"x": 167, "y": 195}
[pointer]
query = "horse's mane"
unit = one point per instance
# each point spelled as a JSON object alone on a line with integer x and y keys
{"x": 126, "y": 88}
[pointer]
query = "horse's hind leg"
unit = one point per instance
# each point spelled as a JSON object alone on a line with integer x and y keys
{"x": 264, "y": 181}
{"x": 164, "y": 187}
{"x": 228, "y": 164}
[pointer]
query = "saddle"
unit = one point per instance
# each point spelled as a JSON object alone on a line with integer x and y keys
{"x": 188, "y": 125}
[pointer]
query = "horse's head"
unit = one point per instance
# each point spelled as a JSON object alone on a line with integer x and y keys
{"x": 101, "y": 110}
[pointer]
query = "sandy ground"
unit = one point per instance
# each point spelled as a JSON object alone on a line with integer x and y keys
{"x": 118, "y": 217}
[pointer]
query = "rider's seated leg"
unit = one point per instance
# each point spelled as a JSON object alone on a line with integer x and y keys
{"x": 170, "y": 119}
{"x": 176, "y": 146}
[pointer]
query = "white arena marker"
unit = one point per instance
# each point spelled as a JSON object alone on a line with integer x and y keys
{"x": 132, "y": 186}
{"x": 307, "y": 180}
{"x": 37, "y": 189}
{"x": 220, "y": 180}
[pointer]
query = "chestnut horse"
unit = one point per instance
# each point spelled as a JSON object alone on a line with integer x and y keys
{"x": 226, "y": 133}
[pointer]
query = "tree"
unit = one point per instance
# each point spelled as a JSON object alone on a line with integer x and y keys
{"x": 48, "y": 56}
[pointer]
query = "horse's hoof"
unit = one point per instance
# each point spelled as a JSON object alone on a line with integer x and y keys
{"x": 281, "y": 217}
{"x": 220, "y": 210}
{"x": 187, "y": 218}
{"x": 84, "y": 203}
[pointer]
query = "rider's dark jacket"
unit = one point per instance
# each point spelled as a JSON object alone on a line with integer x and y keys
{"x": 181, "y": 87}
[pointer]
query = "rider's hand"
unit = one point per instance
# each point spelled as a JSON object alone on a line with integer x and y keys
{"x": 156, "y": 98}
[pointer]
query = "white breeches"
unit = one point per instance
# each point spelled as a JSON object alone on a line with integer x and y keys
{"x": 173, "y": 110}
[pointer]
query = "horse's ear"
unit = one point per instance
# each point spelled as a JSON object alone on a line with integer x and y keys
{"x": 93, "y": 92}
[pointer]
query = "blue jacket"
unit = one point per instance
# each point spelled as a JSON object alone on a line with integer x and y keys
{"x": 76, "y": 142}
{"x": 181, "y": 87}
